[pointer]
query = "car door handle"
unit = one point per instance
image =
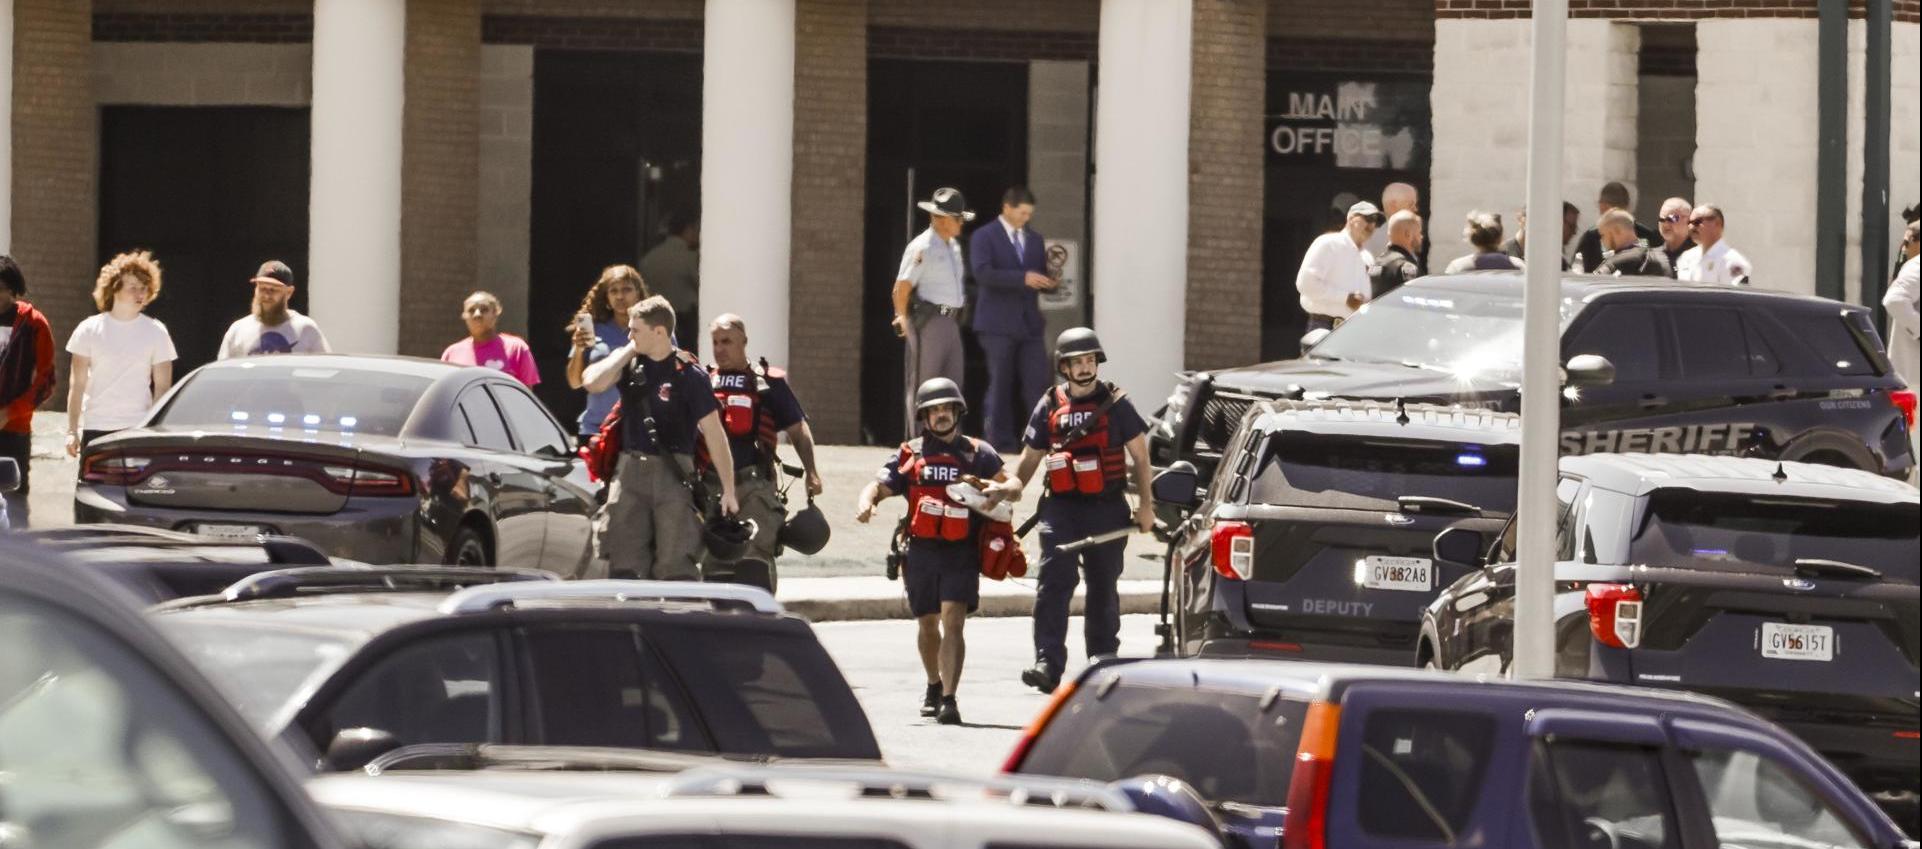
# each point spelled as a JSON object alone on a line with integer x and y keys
{"x": 1652, "y": 401}
{"x": 1781, "y": 393}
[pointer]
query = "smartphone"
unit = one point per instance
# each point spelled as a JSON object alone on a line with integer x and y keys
{"x": 585, "y": 322}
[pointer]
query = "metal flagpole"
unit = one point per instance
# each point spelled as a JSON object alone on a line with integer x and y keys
{"x": 1534, "y": 638}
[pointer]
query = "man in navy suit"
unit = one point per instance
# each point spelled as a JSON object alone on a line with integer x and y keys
{"x": 1008, "y": 260}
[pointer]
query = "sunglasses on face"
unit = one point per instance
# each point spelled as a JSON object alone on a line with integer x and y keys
{"x": 1697, "y": 222}
{"x": 1671, "y": 219}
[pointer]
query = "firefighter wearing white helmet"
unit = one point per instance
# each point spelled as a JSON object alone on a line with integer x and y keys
{"x": 943, "y": 566}
{"x": 1085, "y": 432}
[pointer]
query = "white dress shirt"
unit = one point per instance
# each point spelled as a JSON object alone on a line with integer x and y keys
{"x": 1334, "y": 268}
{"x": 1719, "y": 264}
{"x": 1905, "y": 324}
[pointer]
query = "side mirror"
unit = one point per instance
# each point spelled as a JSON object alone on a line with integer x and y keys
{"x": 354, "y": 748}
{"x": 1589, "y": 370}
{"x": 1460, "y": 547}
{"x": 1176, "y": 485}
{"x": 1313, "y": 338}
{"x": 9, "y": 475}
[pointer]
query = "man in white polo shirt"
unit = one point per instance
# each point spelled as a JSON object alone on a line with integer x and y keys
{"x": 1711, "y": 260}
{"x": 1333, "y": 280}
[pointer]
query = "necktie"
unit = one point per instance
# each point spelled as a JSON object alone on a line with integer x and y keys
{"x": 1019, "y": 250}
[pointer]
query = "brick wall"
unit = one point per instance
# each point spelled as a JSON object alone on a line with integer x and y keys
{"x": 678, "y": 35}
{"x": 1225, "y": 183}
{"x": 202, "y": 73}
{"x": 56, "y": 150}
{"x": 687, "y": 9}
{"x": 897, "y": 42}
{"x": 1351, "y": 55}
{"x": 830, "y": 161}
{"x": 259, "y": 28}
{"x": 1659, "y": 9}
{"x": 1026, "y": 15}
{"x": 1374, "y": 20}
{"x": 440, "y": 171}
{"x": 506, "y": 178}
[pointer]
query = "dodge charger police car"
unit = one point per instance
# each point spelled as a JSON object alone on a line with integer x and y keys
{"x": 1669, "y": 367}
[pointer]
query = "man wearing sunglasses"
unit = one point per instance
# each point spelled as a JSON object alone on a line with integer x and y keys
{"x": 1711, "y": 260}
{"x": 1673, "y": 225}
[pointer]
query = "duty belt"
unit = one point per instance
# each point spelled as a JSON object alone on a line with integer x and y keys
{"x": 937, "y": 309}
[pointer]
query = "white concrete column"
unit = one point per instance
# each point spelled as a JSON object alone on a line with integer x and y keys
{"x": 1481, "y": 125}
{"x": 1756, "y": 141}
{"x": 360, "y": 69}
{"x": 6, "y": 126}
{"x": 1139, "y": 275}
{"x": 747, "y": 168}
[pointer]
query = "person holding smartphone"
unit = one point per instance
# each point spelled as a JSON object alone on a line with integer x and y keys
{"x": 598, "y": 329}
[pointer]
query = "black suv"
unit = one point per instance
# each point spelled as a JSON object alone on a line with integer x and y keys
{"x": 1789, "y": 588}
{"x": 1314, "y": 538}
{"x": 1689, "y": 368}
{"x": 348, "y": 663}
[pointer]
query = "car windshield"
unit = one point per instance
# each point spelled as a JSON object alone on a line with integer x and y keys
{"x": 1466, "y": 333}
{"x": 278, "y": 400}
{"x": 1301, "y": 468}
{"x": 1233, "y": 747}
{"x": 1741, "y": 533}
{"x": 260, "y": 668}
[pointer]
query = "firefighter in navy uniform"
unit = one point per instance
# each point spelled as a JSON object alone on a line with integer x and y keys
{"x": 1084, "y": 431}
{"x": 757, "y": 405}
{"x": 943, "y": 566}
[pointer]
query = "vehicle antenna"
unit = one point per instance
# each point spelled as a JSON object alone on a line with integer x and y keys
{"x": 1781, "y": 474}
{"x": 1401, "y": 412}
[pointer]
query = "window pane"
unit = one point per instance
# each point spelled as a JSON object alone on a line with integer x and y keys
{"x": 441, "y": 690}
{"x": 1712, "y": 343}
{"x": 768, "y": 691}
{"x": 1627, "y": 337}
{"x": 1222, "y": 743}
{"x": 1421, "y": 772}
{"x": 484, "y": 421}
{"x": 1755, "y": 802}
{"x": 601, "y": 687}
{"x": 1829, "y": 335}
{"x": 97, "y": 751}
{"x": 531, "y": 424}
{"x": 263, "y": 399}
{"x": 1608, "y": 796}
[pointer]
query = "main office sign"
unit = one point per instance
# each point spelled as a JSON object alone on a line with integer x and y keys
{"x": 1346, "y": 123}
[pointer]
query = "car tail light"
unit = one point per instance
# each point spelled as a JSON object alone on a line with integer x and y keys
{"x": 117, "y": 469}
{"x": 1904, "y": 402}
{"x": 1615, "y": 614}
{"x": 1233, "y": 550}
{"x": 367, "y": 480}
{"x": 1033, "y": 731}
{"x": 1306, "y": 825}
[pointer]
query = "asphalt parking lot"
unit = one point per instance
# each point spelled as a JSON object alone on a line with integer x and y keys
{"x": 879, "y": 661}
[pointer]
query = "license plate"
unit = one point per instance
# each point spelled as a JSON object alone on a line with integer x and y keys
{"x": 1797, "y": 642}
{"x": 234, "y": 532}
{"x": 1411, "y": 574}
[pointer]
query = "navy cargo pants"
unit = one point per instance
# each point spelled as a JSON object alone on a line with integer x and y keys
{"x": 1065, "y": 519}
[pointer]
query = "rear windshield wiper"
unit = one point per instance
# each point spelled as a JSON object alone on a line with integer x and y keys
{"x": 1429, "y": 504}
{"x": 1815, "y": 567}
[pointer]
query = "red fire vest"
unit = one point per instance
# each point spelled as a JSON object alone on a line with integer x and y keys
{"x": 1090, "y": 465}
{"x": 932, "y": 515}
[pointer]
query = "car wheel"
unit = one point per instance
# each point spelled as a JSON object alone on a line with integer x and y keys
{"x": 469, "y": 548}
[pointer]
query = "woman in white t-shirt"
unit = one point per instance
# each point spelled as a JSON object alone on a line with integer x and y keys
{"x": 122, "y": 359}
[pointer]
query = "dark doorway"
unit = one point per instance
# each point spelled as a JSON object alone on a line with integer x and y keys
{"x": 617, "y": 148}
{"x": 1332, "y": 139}
{"x": 212, "y": 192}
{"x": 930, "y": 124}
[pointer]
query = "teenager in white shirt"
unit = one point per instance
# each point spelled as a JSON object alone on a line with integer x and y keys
{"x": 122, "y": 359}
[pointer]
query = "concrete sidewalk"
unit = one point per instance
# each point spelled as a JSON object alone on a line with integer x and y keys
{"x": 845, "y": 581}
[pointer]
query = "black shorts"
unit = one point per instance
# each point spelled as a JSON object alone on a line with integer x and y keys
{"x": 937, "y": 572}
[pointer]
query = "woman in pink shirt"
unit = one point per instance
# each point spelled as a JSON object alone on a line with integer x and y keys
{"x": 486, "y": 346}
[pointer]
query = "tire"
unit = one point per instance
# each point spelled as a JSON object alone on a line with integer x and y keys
{"x": 469, "y": 548}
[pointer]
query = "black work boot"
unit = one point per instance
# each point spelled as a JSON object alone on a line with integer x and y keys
{"x": 950, "y": 713}
{"x": 1041, "y": 677}
{"x": 931, "y": 704}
